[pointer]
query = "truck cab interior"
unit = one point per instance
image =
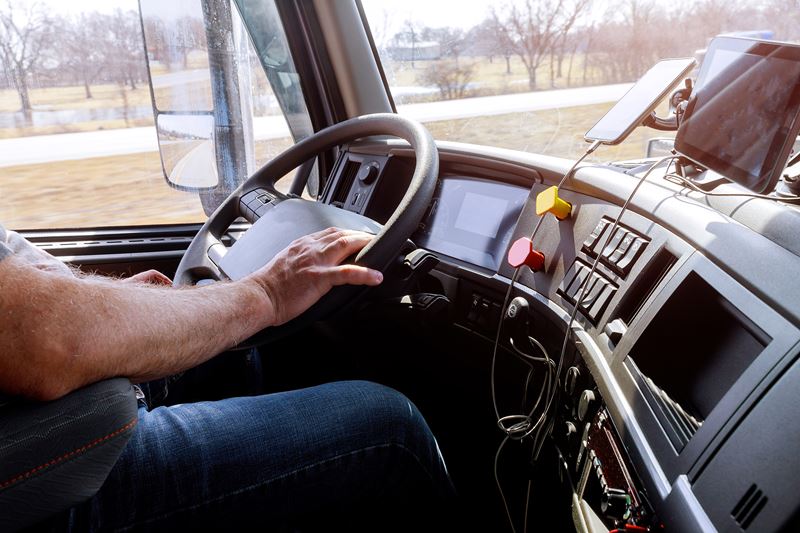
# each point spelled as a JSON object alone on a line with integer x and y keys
{"x": 598, "y": 344}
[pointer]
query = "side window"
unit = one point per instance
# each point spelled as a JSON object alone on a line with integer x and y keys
{"x": 78, "y": 142}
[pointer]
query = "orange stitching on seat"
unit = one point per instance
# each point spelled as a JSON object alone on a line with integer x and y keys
{"x": 66, "y": 456}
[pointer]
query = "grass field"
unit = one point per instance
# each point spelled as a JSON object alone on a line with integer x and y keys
{"x": 67, "y": 98}
{"x": 105, "y": 191}
{"x": 557, "y": 132}
{"x": 491, "y": 77}
{"x": 74, "y": 99}
{"x": 130, "y": 189}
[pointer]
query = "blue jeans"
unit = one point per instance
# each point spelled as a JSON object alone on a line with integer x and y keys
{"x": 349, "y": 455}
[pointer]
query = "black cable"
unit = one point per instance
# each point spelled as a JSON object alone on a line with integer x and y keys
{"x": 682, "y": 181}
{"x": 583, "y": 290}
{"x": 524, "y": 427}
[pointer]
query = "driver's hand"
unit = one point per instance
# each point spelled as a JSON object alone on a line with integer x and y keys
{"x": 153, "y": 277}
{"x": 309, "y": 267}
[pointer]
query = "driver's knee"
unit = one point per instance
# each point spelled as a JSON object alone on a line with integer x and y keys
{"x": 387, "y": 417}
{"x": 402, "y": 467}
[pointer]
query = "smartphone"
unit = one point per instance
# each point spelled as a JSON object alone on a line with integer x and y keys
{"x": 631, "y": 110}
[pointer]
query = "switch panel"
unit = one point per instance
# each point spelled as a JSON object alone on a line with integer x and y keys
{"x": 598, "y": 292}
{"x": 622, "y": 250}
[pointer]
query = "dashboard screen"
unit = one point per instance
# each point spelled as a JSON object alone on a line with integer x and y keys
{"x": 472, "y": 220}
{"x": 742, "y": 119}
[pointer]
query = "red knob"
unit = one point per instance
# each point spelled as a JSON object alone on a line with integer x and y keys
{"x": 523, "y": 253}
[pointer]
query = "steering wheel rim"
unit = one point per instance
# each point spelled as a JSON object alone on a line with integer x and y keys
{"x": 202, "y": 258}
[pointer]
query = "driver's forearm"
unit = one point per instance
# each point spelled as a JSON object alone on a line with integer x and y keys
{"x": 83, "y": 330}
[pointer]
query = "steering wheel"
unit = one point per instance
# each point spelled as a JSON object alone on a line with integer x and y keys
{"x": 283, "y": 219}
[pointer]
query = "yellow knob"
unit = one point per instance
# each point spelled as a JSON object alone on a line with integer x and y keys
{"x": 548, "y": 201}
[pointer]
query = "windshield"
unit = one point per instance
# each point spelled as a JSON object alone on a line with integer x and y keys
{"x": 537, "y": 75}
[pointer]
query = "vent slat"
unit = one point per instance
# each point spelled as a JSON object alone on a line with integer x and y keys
{"x": 749, "y": 506}
{"x": 348, "y": 176}
{"x": 684, "y": 424}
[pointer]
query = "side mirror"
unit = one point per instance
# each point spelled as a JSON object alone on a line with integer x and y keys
{"x": 195, "y": 52}
{"x": 660, "y": 146}
{"x": 188, "y": 157}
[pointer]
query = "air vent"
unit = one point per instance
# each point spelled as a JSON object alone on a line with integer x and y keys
{"x": 684, "y": 424}
{"x": 346, "y": 179}
{"x": 749, "y": 506}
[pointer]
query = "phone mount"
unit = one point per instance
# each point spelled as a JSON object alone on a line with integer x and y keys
{"x": 686, "y": 169}
{"x": 677, "y": 107}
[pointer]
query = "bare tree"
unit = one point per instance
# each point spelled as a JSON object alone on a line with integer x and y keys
{"x": 78, "y": 52}
{"x": 533, "y": 28}
{"x": 124, "y": 55}
{"x": 24, "y": 35}
{"x": 449, "y": 77}
{"x": 782, "y": 17}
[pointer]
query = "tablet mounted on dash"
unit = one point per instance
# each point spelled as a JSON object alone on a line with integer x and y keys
{"x": 743, "y": 116}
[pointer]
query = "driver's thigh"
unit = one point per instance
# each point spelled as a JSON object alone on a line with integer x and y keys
{"x": 353, "y": 454}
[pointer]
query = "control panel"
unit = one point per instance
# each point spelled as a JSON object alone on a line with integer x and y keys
{"x": 594, "y": 460}
{"x": 617, "y": 258}
{"x": 355, "y": 179}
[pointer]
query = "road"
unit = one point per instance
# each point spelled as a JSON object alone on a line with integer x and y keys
{"x": 72, "y": 146}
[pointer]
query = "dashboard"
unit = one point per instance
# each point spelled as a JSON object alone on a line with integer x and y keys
{"x": 682, "y": 385}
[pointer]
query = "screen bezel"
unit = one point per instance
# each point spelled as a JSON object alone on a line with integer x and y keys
{"x": 604, "y": 137}
{"x": 769, "y": 176}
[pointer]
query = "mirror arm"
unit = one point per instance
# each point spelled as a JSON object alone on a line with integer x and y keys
{"x": 229, "y": 141}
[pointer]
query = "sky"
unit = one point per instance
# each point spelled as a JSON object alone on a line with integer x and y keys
{"x": 386, "y": 17}
{"x": 460, "y": 13}
{"x": 104, "y": 6}
{"x": 392, "y": 14}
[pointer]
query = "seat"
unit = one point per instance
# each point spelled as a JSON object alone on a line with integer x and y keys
{"x": 57, "y": 454}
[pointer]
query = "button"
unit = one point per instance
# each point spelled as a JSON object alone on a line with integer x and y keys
{"x": 573, "y": 289}
{"x": 615, "y": 240}
{"x": 602, "y": 301}
{"x": 569, "y": 277}
{"x": 595, "y": 235}
{"x": 585, "y": 402}
{"x": 615, "y": 330}
{"x": 571, "y": 381}
{"x": 522, "y": 253}
{"x": 548, "y": 201}
{"x": 369, "y": 172}
{"x": 631, "y": 255}
{"x": 622, "y": 248}
{"x": 472, "y": 315}
{"x": 249, "y": 197}
{"x": 246, "y": 212}
{"x": 598, "y": 285}
{"x": 264, "y": 198}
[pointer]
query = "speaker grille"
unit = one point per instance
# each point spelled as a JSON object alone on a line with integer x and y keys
{"x": 749, "y": 506}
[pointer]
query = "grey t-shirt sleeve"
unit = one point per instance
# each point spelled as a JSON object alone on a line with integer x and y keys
{"x": 5, "y": 251}
{"x": 13, "y": 243}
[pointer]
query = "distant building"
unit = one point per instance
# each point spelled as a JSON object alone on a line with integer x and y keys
{"x": 417, "y": 51}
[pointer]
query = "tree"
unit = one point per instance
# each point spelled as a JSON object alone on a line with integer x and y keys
{"x": 532, "y": 29}
{"x": 124, "y": 54}
{"x": 78, "y": 52}
{"x": 449, "y": 77}
{"x": 24, "y": 35}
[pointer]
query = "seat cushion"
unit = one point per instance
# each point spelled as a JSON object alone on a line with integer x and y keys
{"x": 54, "y": 455}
